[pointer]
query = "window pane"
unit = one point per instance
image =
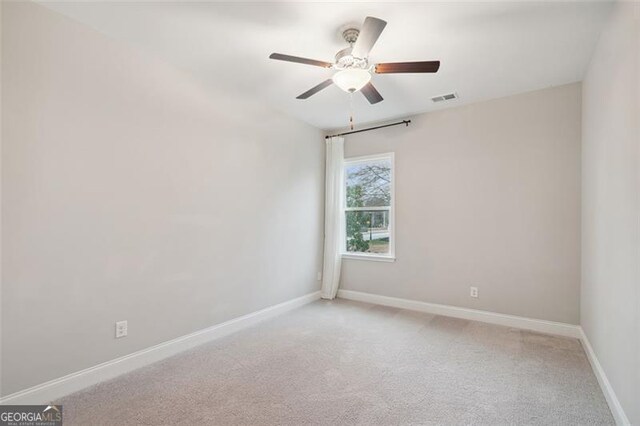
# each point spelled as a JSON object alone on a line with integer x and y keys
{"x": 367, "y": 231}
{"x": 368, "y": 184}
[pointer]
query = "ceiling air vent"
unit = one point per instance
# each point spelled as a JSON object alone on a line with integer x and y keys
{"x": 447, "y": 97}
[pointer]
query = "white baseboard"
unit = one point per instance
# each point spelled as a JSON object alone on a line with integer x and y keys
{"x": 614, "y": 404}
{"x": 542, "y": 326}
{"x": 57, "y": 388}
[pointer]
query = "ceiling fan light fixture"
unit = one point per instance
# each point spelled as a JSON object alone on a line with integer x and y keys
{"x": 352, "y": 79}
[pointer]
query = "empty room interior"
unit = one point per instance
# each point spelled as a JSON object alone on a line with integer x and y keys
{"x": 320, "y": 213}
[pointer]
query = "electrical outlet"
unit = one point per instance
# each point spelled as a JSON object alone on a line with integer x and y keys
{"x": 473, "y": 291}
{"x": 319, "y": 275}
{"x": 121, "y": 329}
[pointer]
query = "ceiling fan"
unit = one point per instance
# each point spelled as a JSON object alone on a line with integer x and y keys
{"x": 352, "y": 63}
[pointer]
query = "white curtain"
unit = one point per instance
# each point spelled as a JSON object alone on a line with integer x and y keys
{"x": 333, "y": 219}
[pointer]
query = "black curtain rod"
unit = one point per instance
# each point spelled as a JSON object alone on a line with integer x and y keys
{"x": 405, "y": 122}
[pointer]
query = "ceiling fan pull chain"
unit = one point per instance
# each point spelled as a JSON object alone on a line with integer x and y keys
{"x": 351, "y": 110}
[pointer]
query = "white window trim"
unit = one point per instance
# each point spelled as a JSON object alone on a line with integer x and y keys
{"x": 387, "y": 257}
{"x": 369, "y": 257}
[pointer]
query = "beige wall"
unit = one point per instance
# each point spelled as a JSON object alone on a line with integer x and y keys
{"x": 611, "y": 205}
{"x": 487, "y": 195}
{"x": 131, "y": 192}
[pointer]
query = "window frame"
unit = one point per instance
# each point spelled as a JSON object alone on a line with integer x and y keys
{"x": 377, "y": 257}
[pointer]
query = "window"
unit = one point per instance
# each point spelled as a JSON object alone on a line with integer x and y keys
{"x": 368, "y": 207}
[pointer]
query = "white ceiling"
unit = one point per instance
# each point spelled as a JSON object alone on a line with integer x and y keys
{"x": 487, "y": 49}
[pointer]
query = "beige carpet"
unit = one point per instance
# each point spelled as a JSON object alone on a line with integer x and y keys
{"x": 344, "y": 362}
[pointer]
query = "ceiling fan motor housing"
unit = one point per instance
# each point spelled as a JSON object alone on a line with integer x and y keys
{"x": 344, "y": 58}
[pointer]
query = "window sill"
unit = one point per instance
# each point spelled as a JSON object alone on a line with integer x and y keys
{"x": 370, "y": 257}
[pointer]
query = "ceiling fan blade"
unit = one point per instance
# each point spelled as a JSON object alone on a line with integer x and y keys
{"x": 407, "y": 67}
{"x": 370, "y": 92}
{"x": 371, "y": 30}
{"x": 289, "y": 58}
{"x": 316, "y": 89}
